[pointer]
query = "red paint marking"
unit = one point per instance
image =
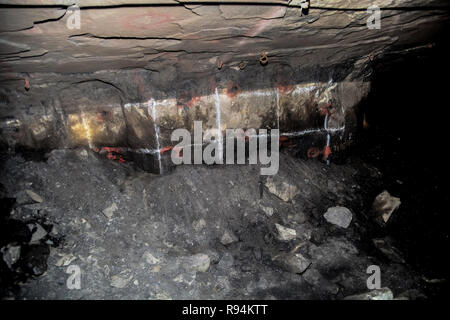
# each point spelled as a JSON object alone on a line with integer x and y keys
{"x": 326, "y": 152}
{"x": 193, "y": 101}
{"x": 284, "y": 88}
{"x": 112, "y": 153}
{"x": 233, "y": 89}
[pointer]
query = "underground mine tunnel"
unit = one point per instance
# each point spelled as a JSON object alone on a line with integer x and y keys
{"x": 268, "y": 149}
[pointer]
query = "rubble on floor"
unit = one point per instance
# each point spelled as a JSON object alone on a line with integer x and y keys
{"x": 199, "y": 232}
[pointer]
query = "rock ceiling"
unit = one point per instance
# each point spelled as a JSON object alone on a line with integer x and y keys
{"x": 195, "y": 39}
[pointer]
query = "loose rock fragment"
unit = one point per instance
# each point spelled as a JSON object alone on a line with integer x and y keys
{"x": 197, "y": 262}
{"x": 38, "y": 233}
{"x": 109, "y": 212}
{"x": 379, "y": 294}
{"x": 198, "y": 225}
{"x": 281, "y": 189}
{"x": 121, "y": 280}
{"x": 226, "y": 262}
{"x": 295, "y": 263}
{"x": 384, "y": 205}
{"x": 150, "y": 259}
{"x": 83, "y": 154}
{"x": 34, "y": 196}
{"x": 27, "y": 197}
{"x": 11, "y": 255}
{"x": 65, "y": 259}
{"x": 186, "y": 278}
{"x": 284, "y": 233}
{"x": 228, "y": 237}
{"x": 267, "y": 210}
{"x": 163, "y": 296}
{"x": 340, "y": 216}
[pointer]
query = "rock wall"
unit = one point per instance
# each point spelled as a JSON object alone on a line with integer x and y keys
{"x": 102, "y": 116}
{"x": 138, "y": 69}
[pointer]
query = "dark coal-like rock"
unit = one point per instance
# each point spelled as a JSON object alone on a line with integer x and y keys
{"x": 33, "y": 259}
{"x": 14, "y": 231}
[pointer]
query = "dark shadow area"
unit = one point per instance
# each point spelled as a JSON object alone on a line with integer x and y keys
{"x": 404, "y": 131}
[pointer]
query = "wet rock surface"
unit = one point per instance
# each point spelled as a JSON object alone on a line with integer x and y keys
{"x": 177, "y": 236}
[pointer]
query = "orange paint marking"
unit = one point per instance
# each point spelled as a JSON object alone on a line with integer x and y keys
{"x": 326, "y": 152}
{"x": 165, "y": 149}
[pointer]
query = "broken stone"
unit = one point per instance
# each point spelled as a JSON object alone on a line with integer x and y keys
{"x": 150, "y": 259}
{"x": 186, "y": 278}
{"x": 163, "y": 296}
{"x": 284, "y": 233}
{"x": 65, "y": 260}
{"x": 267, "y": 210}
{"x": 298, "y": 217}
{"x": 54, "y": 231}
{"x": 295, "y": 263}
{"x": 121, "y": 280}
{"x": 304, "y": 231}
{"x": 226, "y": 262}
{"x": 34, "y": 196}
{"x": 11, "y": 255}
{"x": 27, "y": 197}
{"x": 156, "y": 269}
{"x": 227, "y": 238}
{"x": 197, "y": 262}
{"x": 378, "y": 294}
{"x": 281, "y": 189}
{"x": 340, "y": 216}
{"x": 109, "y": 212}
{"x": 83, "y": 154}
{"x": 384, "y": 205}
{"x": 38, "y": 234}
{"x": 198, "y": 225}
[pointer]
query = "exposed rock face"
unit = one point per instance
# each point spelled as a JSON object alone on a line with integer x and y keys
{"x": 131, "y": 69}
{"x": 182, "y": 40}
